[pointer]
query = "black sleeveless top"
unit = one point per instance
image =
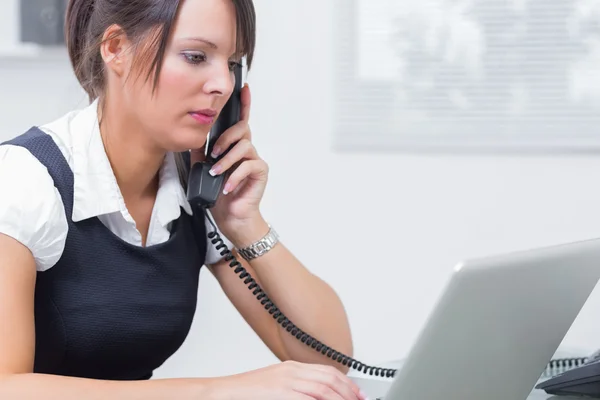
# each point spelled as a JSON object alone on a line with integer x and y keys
{"x": 109, "y": 309}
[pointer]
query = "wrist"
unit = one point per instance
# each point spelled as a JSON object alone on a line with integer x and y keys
{"x": 246, "y": 232}
{"x": 191, "y": 388}
{"x": 219, "y": 388}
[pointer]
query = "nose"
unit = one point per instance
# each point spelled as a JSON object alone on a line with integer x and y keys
{"x": 220, "y": 81}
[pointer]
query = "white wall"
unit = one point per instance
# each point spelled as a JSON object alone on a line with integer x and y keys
{"x": 387, "y": 245}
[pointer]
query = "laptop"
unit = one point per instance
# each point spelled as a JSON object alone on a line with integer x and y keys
{"x": 496, "y": 325}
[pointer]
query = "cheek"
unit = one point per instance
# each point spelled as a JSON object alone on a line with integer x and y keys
{"x": 173, "y": 98}
{"x": 177, "y": 94}
{"x": 168, "y": 102}
{"x": 175, "y": 88}
{"x": 177, "y": 85}
{"x": 174, "y": 77}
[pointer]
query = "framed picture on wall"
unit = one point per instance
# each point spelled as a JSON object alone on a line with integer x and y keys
{"x": 42, "y": 21}
{"x": 484, "y": 75}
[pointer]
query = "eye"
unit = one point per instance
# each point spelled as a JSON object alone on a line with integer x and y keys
{"x": 194, "y": 58}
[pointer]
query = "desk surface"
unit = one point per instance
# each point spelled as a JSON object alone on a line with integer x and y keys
{"x": 374, "y": 389}
{"x": 377, "y": 387}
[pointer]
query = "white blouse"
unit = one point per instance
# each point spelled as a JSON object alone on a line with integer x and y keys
{"x": 32, "y": 211}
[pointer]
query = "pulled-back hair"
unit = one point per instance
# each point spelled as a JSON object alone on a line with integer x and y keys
{"x": 141, "y": 20}
{"x": 144, "y": 22}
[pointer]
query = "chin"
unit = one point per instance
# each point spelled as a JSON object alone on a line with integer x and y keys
{"x": 186, "y": 140}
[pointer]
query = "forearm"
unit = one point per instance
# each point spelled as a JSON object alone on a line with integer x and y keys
{"x": 53, "y": 387}
{"x": 309, "y": 302}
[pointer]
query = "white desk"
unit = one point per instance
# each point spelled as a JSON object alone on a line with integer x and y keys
{"x": 376, "y": 387}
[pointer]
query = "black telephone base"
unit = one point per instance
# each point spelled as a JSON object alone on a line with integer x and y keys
{"x": 581, "y": 381}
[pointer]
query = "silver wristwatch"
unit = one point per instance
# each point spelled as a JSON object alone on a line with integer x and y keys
{"x": 260, "y": 247}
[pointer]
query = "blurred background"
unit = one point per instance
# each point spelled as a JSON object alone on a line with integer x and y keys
{"x": 402, "y": 136}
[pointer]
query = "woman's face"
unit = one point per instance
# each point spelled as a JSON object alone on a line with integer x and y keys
{"x": 196, "y": 79}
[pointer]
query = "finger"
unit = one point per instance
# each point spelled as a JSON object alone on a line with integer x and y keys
{"x": 278, "y": 393}
{"x": 241, "y": 151}
{"x": 252, "y": 169}
{"x": 320, "y": 391}
{"x": 296, "y": 395}
{"x": 325, "y": 375}
{"x": 331, "y": 381}
{"x": 246, "y": 100}
{"x": 343, "y": 377}
{"x": 317, "y": 391}
{"x": 237, "y": 132}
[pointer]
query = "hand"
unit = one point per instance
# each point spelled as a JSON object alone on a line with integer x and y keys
{"x": 238, "y": 208}
{"x": 289, "y": 381}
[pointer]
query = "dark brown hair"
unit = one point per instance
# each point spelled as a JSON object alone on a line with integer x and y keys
{"x": 147, "y": 24}
{"x": 141, "y": 20}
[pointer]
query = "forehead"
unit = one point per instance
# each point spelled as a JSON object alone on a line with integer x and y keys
{"x": 213, "y": 20}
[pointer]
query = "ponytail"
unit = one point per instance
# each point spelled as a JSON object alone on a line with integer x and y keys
{"x": 86, "y": 62}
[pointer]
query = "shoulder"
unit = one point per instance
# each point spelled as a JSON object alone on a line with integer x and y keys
{"x": 31, "y": 209}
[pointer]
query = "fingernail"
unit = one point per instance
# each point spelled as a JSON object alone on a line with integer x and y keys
{"x": 215, "y": 170}
{"x": 227, "y": 188}
{"x": 363, "y": 395}
{"x": 216, "y": 152}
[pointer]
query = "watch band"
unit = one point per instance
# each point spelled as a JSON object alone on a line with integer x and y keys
{"x": 260, "y": 247}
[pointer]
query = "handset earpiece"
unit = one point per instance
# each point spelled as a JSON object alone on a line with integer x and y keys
{"x": 203, "y": 188}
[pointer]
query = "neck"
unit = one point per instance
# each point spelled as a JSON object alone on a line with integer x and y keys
{"x": 135, "y": 162}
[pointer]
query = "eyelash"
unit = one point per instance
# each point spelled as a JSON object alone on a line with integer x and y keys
{"x": 189, "y": 57}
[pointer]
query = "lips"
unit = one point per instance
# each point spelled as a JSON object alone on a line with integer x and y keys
{"x": 207, "y": 111}
{"x": 204, "y": 117}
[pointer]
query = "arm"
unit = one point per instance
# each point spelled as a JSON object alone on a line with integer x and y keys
{"x": 17, "y": 346}
{"x": 305, "y": 299}
{"x": 19, "y": 263}
{"x": 32, "y": 232}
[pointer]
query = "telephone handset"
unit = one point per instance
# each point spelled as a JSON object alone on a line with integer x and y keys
{"x": 203, "y": 188}
{"x": 203, "y": 191}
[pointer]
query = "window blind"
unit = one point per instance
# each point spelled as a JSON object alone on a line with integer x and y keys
{"x": 516, "y": 75}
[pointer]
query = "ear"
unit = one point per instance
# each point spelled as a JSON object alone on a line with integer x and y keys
{"x": 114, "y": 48}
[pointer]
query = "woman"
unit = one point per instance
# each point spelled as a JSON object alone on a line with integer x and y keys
{"x": 99, "y": 260}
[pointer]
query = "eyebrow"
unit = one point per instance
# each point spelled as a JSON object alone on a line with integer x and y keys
{"x": 199, "y": 39}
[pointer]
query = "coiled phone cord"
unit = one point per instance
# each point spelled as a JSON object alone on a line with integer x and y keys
{"x": 289, "y": 326}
